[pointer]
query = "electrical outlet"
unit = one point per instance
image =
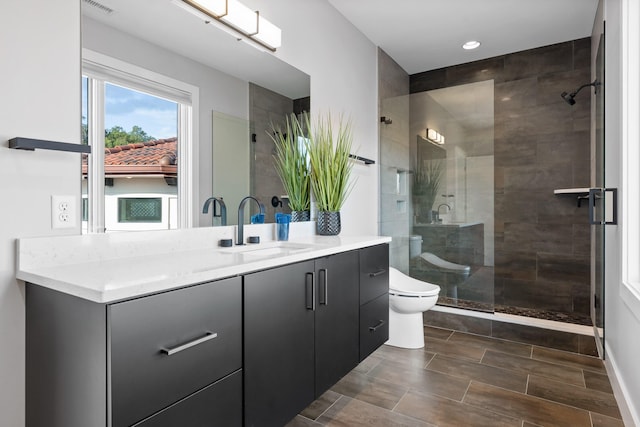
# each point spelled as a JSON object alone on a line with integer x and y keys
{"x": 63, "y": 212}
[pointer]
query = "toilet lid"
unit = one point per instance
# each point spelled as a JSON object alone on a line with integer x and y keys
{"x": 445, "y": 265}
{"x": 410, "y": 286}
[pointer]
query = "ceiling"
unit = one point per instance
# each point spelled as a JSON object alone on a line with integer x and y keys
{"x": 422, "y": 35}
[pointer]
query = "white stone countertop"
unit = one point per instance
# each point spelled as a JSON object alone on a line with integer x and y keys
{"x": 110, "y": 267}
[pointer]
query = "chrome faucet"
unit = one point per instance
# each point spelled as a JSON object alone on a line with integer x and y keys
{"x": 223, "y": 209}
{"x": 240, "y": 240}
{"x": 438, "y": 211}
{"x": 441, "y": 205}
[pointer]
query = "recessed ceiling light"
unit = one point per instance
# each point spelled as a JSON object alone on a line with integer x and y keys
{"x": 471, "y": 44}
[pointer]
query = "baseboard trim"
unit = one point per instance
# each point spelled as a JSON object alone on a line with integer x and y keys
{"x": 519, "y": 320}
{"x": 630, "y": 415}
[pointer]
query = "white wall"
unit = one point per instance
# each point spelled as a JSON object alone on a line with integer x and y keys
{"x": 342, "y": 64}
{"x": 40, "y": 87}
{"x": 622, "y": 325}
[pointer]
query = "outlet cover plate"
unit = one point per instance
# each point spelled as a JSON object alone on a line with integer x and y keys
{"x": 63, "y": 212}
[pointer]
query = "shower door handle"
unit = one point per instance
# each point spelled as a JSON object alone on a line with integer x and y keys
{"x": 603, "y": 206}
{"x": 594, "y": 197}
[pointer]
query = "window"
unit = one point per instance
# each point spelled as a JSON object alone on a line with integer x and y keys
{"x": 139, "y": 209}
{"x": 141, "y": 126}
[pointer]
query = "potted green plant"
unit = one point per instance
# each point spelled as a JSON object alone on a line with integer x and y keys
{"x": 330, "y": 171}
{"x": 292, "y": 166}
{"x": 426, "y": 181}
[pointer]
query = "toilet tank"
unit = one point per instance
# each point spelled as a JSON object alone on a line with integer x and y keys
{"x": 415, "y": 245}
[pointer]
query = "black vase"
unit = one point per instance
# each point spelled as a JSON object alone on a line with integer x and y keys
{"x": 328, "y": 223}
{"x": 299, "y": 216}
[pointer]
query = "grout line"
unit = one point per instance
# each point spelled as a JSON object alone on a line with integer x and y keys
{"x": 526, "y": 387}
{"x": 466, "y": 391}
{"x": 399, "y": 400}
{"x": 326, "y": 410}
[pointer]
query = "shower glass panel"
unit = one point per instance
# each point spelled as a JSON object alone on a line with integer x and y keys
{"x": 451, "y": 240}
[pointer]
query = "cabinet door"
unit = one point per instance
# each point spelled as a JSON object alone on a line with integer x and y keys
{"x": 374, "y": 272}
{"x": 278, "y": 344}
{"x": 219, "y": 404}
{"x": 167, "y": 346}
{"x": 336, "y": 316}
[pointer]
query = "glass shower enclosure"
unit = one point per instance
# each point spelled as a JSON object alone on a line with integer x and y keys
{"x": 439, "y": 186}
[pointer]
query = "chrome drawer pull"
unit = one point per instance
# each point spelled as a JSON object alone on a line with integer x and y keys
{"x": 377, "y": 273}
{"x": 174, "y": 350}
{"x": 375, "y": 328}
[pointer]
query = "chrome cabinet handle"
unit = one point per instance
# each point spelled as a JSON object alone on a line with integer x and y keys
{"x": 178, "y": 349}
{"x": 377, "y": 273}
{"x": 378, "y": 326}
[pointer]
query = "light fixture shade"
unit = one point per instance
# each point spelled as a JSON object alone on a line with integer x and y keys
{"x": 432, "y": 134}
{"x": 441, "y": 142}
{"x": 235, "y": 17}
{"x": 214, "y": 7}
{"x": 269, "y": 33}
{"x": 241, "y": 17}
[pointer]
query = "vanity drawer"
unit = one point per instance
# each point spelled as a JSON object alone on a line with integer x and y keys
{"x": 374, "y": 325}
{"x": 165, "y": 347}
{"x": 219, "y": 404}
{"x": 374, "y": 272}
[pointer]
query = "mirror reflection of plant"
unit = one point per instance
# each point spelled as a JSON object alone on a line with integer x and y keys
{"x": 330, "y": 163}
{"x": 426, "y": 181}
{"x": 290, "y": 161}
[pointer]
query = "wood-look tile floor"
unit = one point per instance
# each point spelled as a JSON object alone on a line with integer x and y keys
{"x": 461, "y": 380}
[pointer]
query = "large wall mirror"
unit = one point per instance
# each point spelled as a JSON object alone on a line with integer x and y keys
{"x": 239, "y": 90}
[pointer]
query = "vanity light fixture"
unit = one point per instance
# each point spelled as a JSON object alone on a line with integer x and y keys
{"x": 435, "y": 136}
{"x": 240, "y": 18}
{"x": 471, "y": 44}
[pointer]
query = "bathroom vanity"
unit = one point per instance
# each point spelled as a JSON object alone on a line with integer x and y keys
{"x": 242, "y": 336}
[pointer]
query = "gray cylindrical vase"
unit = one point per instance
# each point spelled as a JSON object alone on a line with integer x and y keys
{"x": 299, "y": 216}
{"x": 328, "y": 223}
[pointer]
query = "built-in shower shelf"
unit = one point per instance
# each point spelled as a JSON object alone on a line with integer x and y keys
{"x": 571, "y": 191}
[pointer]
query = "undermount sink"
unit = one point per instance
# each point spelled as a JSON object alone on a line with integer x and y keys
{"x": 269, "y": 249}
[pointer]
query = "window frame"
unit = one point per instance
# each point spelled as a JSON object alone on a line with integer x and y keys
{"x": 630, "y": 289}
{"x": 100, "y": 68}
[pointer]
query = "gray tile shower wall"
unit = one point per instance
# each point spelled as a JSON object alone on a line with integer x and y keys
{"x": 542, "y": 241}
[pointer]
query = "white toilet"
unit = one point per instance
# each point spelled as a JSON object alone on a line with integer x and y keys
{"x": 408, "y": 298}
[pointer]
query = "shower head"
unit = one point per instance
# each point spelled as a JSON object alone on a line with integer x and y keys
{"x": 570, "y": 97}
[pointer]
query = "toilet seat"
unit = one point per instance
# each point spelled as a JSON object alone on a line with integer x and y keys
{"x": 405, "y": 286}
{"x": 443, "y": 264}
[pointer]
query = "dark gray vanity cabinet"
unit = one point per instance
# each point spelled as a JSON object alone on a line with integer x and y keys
{"x": 147, "y": 361}
{"x": 374, "y": 298}
{"x": 301, "y": 335}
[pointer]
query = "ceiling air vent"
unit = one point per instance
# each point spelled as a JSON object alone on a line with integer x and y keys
{"x": 98, "y": 6}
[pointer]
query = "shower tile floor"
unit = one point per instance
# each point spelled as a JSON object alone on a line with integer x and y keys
{"x": 576, "y": 318}
{"x": 461, "y": 379}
